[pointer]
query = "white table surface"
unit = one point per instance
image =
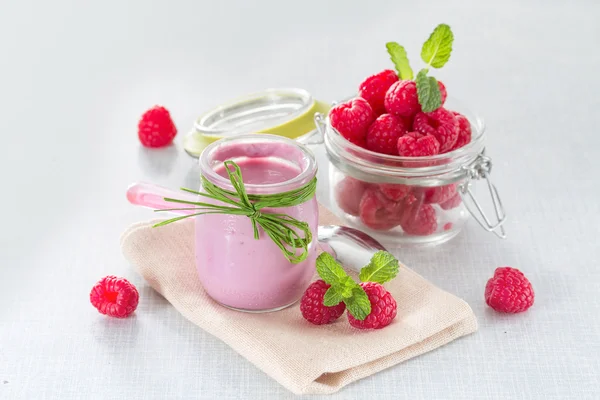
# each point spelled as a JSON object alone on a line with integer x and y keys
{"x": 75, "y": 77}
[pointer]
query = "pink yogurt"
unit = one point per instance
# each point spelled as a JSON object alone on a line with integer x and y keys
{"x": 235, "y": 269}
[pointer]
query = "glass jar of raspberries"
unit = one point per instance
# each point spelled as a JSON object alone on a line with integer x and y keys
{"x": 403, "y": 175}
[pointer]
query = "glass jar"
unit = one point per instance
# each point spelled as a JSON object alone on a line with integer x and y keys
{"x": 236, "y": 269}
{"x": 285, "y": 112}
{"x": 410, "y": 200}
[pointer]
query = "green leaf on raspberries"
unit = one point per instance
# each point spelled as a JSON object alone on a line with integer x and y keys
{"x": 436, "y": 50}
{"x": 332, "y": 297}
{"x": 358, "y": 305}
{"x": 428, "y": 91}
{"x": 382, "y": 268}
{"x": 400, "y": 60}
{"x": 329, "y": 270}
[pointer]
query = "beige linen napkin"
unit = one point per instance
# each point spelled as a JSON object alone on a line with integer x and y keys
{"x": 302, "y": 357}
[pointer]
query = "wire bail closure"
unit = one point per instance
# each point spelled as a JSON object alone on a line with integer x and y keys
{"x": 480, "y": 168}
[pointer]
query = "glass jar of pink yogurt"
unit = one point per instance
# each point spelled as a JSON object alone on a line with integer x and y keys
{"x": 235, "y": 269}
{"x": 410, "y": 200}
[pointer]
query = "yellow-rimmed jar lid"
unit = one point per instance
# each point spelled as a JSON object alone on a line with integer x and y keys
{"x": 287, "y": 112}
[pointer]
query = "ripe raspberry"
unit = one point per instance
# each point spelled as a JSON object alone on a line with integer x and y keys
{"x": 464, "y": 131}
{"x": 384, "y": 133}
{"x": 394, "y": 192}
{"x": 114, "y": 296}
{"x": 383, "y": 308}
{"x": 443, "y": 92}
{"x": 451, "y": 203}
{"x": 440, "y": 123}
{"x": 401, "y": 99}
{"x": 440, "y": 194}
{"x": 374, "y": 88}
{"x": 509, "y": 291}
{"x": 348, "y": 193}
{"x": 413, "y": 144}
{"x": 377, "y": 212}
{"x": 156, "y": 128}
{"x": 417, "y": 218}
{"x": 352, "y": 119}
{"x": 312, "y": 307}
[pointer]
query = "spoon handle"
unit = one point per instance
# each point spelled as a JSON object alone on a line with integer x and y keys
{"x": 152, "y": 196}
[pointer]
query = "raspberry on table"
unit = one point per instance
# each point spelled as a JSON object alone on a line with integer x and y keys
{"x": 378, "y": 212}
{"x": 451, "y": 203}
{"x": 312, "y": 307}
{"x": 464, "y": 131}
{"x": 352, "y": 119}
{"x": 393, "y": 191}
{"x": 114, "y": 296}
{"x": 156, "y": 128}
{"x": 417, "y": 218}
{"x": 401, "y": 99}
{"x": 440, "y": 194}
{"x": 440, "y": 123}
{"x": 348, "y": 193}
{"x": 509, "y": 291}
{"x": 374, "y": 88}
{"x": 383, "y": 308}
{"x": 383, "y": 134}
{"x": 414, "y": 144}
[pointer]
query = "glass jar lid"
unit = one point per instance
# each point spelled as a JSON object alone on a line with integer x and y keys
{"x": 286, "y": 112}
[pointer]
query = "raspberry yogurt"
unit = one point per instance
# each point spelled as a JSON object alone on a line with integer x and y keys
{"x": 236, "y": 269}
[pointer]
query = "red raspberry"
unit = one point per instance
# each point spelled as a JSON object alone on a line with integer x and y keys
{"x": 377, "y": 212}
{"x": 156, "y": 128}
{"x": 114, "y": 296}
{"x": 384, "y": 133}
{"x": 413, "y": 144}
{"x": 440, "y": 194}
{"x": 417, "y": 218}
{"x": 440, "y": 123}
{"x": 451, "y": 203}
{"x": 394, "y": 192}
{"x": 312, "y": 307}
{"x": 383, "y": 308}
{"x": 352, "y": 119}
{"x": 464, "y": 131}
{"x": 443, "y": 92}
{"x": 509, "y": 291}
{"x": 401, "y": 99}
{"x": 348, "y": 193}
{"x": 374, "y": 88}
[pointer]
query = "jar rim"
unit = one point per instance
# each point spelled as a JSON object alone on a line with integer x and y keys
{"x": 306, "y": 162}
{"x": 371, "y": 159}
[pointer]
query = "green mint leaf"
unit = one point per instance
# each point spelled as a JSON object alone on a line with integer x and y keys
{"x": 347, "y": 285}
{"x": 332, "y": 297}
{"x": 382, "y": 268}
{"x": 436, "y": 50}
{"x": 358, "y": 305}
{"x": 400, "y": 60}
{"x": 329, "y": 270}
{"x": 428, "y": 91}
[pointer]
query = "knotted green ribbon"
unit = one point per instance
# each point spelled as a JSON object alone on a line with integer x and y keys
{"x": 281, "y": 228}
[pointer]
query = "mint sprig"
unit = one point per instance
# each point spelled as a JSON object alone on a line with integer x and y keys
{"x": 400, "y": 60}
{"x": 343, "y": 288}
{"x": 382, "y": 268}
{"x": 435, "y": 53}
{"x": 436, "y": 50}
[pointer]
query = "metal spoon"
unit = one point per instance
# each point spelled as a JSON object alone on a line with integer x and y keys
{"x": 351, "y": 247}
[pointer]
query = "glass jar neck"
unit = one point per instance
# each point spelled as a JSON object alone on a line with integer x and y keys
{"x": 271, "y": 151}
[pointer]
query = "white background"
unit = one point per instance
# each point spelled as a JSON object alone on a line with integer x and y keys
{"x": 76, "y": 75}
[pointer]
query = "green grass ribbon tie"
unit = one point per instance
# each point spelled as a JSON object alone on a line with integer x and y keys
{"x": 281, "y": 228}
